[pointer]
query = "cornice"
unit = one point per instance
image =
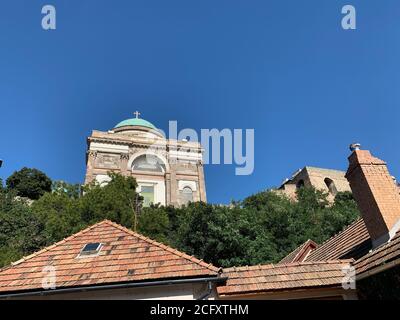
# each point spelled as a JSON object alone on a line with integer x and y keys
{"x": 168, "y": 145}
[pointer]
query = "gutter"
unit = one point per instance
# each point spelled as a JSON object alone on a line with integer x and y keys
{"x": 208, "y": 280}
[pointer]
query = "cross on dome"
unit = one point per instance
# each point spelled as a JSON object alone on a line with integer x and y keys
{"x": 136, "y": 121}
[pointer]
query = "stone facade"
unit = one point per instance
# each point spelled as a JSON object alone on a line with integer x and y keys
{"x": 168, "y": 172}
{"x": 328, "y": 180}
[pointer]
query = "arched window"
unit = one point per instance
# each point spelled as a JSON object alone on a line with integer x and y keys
{"x": 300, "y": 184}
{"x": 331, "y": 186}
{"x": 148, "y": 162}
{"x": 187, "y": 195}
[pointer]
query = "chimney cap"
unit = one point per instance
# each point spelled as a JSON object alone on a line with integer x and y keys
{"x": 355, "y": 146}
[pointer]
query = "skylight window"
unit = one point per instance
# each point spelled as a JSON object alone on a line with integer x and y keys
{"x": 90, "y": 249}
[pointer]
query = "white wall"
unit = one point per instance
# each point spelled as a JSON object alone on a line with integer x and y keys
{"x": 103, "y": 179}
{"x": 167, "y": 292}
{"x": 107, "y": 147}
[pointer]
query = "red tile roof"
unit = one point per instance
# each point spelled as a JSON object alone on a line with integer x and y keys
{"x": 267, "y": 278}
{"x": 381, "y": 255}
{"x": 125, "y": 257}
{"x": 353, "y": 242}
{"x": 300, "y": 253}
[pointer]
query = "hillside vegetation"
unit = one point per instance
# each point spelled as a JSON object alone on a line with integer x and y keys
{"x": 262, "y": 228}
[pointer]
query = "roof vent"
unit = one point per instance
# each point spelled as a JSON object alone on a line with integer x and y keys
{"x": 90, "y": 250}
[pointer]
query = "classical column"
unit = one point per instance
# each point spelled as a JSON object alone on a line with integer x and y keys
{"x": 90, "y": 164}
{"x": 202, "y": 184}
{"x": 167, "y": 189}
{"x": 174, "y": 186}
{"x": 124, "y": 164}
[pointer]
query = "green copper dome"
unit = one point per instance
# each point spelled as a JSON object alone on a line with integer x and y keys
{"x": 136, "y": 122}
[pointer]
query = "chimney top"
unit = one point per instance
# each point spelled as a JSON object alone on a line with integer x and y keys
{"x": 355, "y": 146}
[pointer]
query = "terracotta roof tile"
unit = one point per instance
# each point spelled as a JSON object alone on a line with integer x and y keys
{"x": 266, "y": 278}
{"x": 381, "y": 255}
{"x": 353, "y": 242}
{"x": 125, "y": 256}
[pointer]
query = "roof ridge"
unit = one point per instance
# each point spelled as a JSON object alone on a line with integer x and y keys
{"x": 165, "y": 247}
{"x": 246, "y": 268}
{"x": 326, "y": 169}
{"x": 330, "y": 261}
{"x": 271, "y": 266}
{"x": 45, "y": 249}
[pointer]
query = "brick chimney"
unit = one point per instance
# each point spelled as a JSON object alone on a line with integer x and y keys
{"x": 376, "y": 194}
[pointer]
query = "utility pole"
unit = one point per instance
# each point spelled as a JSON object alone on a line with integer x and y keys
{"x": 1, "y": 181}
{"x": 136, "y": 211}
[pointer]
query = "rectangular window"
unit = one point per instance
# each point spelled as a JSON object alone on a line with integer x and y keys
{"x": 90, "y": 249}
{"x": 147, "y": 192}
{"x": 186, "y": 195}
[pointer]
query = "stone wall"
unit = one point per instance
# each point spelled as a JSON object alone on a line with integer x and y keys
{"x": 319, "y": 178}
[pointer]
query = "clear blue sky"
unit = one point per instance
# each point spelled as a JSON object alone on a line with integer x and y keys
{"x": 285, "y": 68}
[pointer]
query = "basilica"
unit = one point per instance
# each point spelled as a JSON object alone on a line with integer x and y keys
{"x": 168, "y": 171}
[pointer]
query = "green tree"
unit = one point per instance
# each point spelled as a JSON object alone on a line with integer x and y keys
{"x": 260, "y": 229}
{"x": 59, "y": 215}
{"x": 343, "y": 212}
{"x": 70, "y": 190}
{"x": 154, "y": 223}
{"x": 20, "y": 232}
{"x": 272, "y": 212}
{"x": 29, "y": 183}
{"x": 224, "y": 236}
{"x": 117, "y": 201}
{"x": 64, "y": 212}
{"x": 291, "y": 223}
